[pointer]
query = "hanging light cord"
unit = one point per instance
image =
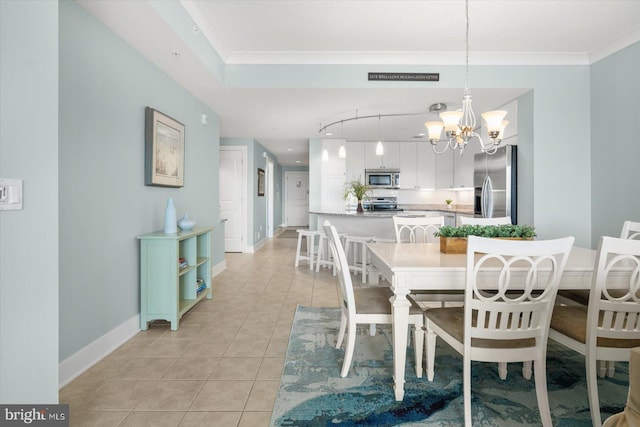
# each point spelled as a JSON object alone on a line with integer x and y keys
{"x": 466, "y": 41}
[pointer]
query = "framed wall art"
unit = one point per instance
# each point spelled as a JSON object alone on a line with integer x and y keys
{"x": 164, "y": 150}
{"x": 260, "y": 182}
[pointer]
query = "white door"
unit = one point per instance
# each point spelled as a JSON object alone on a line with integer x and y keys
{"x": 232, "y": 191}
{"x": 297, "y": 199}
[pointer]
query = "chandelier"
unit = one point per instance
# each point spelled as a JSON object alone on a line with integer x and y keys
{"x": 460, "y": 126}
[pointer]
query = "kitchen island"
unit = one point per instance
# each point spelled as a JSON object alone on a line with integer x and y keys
{"x": 377, "y": 224}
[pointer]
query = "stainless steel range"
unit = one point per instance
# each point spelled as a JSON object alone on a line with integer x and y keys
{"x": 388, "y": 204}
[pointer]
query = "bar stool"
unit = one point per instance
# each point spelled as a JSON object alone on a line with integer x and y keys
{"x": 310, "y": 236}
{"x": 324, "y": 258}
{"x": 351, "y": 243}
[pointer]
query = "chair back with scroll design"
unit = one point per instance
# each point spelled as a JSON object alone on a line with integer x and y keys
{"x": 610, "y": 326}
{"x": 630, "y": 230}
{"x": 510, "y": 290}
{"x": 416, "y": 229}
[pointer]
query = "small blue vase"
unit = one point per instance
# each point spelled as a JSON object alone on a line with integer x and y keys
{"x": 185, "y": 223}
{"x": 170, "y": 225}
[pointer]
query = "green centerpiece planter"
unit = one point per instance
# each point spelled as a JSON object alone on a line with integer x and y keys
{"x": 453, "y": 240}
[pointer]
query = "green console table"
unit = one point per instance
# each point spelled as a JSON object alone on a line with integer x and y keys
{"x": 168, "y": 291}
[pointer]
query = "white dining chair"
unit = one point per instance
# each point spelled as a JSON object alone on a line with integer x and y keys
{"x": 609, "y": 326}
{"x": 416, "y": 229}
{"x": 630, "y": 230}
{"x": 509, "y": 322}
{"x": 421, "y": 230}
{"x": 366, "y": 306}
{"x": 501, "y": 220}
{"x": 470, "y": 220}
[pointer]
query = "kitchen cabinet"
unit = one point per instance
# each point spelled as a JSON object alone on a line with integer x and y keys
{"x": 425, "y": 166}
{"x": 408, "y": 165}
{"x": 355, "y": 161}
{"x": 449, "y": 219}
{"x": 417, "y": 165}
{"x": 463, "y": 165}
{"x": 389, "y": 160}
{"x": 444, "y": 169}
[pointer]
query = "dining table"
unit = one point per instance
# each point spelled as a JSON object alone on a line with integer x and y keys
{"x": 412, "y": 267}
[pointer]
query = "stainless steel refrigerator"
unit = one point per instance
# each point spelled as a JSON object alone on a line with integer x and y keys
{"x": 496, "y": 184}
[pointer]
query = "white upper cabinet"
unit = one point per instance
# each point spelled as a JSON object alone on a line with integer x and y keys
{"x": 389, "y": 160}
{"x": 463, "y": 165}
{"x": 444, "y": 169}
{"x": 426, "y": 166}
{"x": 355, "y": 161}
{"x": 417, "y": 165}
{"x": 408, "y": 165}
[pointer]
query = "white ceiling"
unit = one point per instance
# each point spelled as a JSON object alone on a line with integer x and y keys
{"x": 426, "y": 32}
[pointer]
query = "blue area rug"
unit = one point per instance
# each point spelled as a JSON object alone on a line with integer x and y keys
{"x": 312, "y": 393}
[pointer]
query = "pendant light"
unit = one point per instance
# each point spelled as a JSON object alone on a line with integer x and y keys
{"x": 342, "y": 152}
{"x": 379, "y": 146}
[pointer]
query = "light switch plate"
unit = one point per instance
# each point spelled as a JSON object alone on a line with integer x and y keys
{"x": 10, "y": 194}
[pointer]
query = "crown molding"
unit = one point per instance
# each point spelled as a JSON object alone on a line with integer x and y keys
{"x": 625, "y": 40}
{"x": 406, "y": 58}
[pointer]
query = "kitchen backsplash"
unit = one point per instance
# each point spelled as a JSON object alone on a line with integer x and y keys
{"x": 428, "y": 197}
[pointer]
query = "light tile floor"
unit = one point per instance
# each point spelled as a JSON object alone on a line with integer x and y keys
{"x": 222, "y": 367}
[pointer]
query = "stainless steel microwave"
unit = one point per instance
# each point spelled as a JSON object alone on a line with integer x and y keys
{"x": 382, "y": 178}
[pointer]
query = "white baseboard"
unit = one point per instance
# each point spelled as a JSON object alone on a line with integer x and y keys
{"x": 258, "y": 245}
{"x": 218, "y": 268}
{"x": 76, "y": 364}
{"x": 70, "y": 368}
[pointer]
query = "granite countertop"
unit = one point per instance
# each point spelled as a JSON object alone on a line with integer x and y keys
{"x": 365, "y": 214}
{"x": 462, "y": 209}
{"x": 409, "y": 210}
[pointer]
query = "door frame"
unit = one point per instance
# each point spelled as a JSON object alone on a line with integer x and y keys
{"x": 243, "y": 186}
{"x": 286, "y": 194}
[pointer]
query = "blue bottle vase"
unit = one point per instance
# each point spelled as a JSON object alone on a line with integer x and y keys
{"x": 170, "y": 223}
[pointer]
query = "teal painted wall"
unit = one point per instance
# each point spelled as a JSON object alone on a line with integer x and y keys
{"x": 105, "y": 86}
{"x": 615, "y": 89}
{"x": 559, "y": 155}
{"x": 525, "y": 159}
{"x": 29, "y": 238}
